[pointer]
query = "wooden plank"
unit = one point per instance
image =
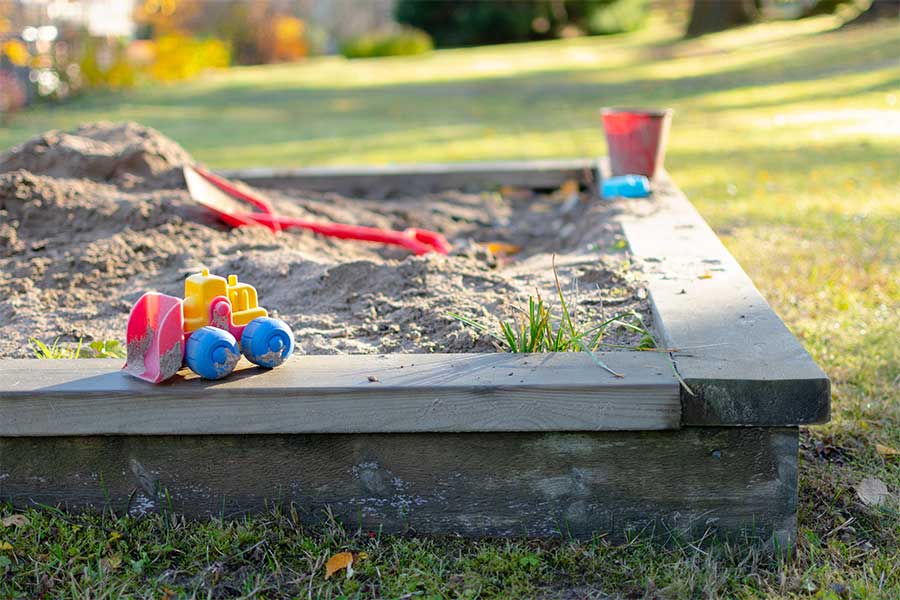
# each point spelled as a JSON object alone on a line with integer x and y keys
{"x": 736, "y": 482}
{"x": 382, "y": 180}
{"x": 737, "y": 356}
{"x": 336, "y": 394}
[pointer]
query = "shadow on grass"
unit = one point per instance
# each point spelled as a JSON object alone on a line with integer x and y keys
{"x": 392, "y": 117}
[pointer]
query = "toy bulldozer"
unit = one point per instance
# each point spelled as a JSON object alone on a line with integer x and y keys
{"x": 217, "y": 321}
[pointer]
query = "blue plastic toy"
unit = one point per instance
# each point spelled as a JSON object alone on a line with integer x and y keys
{"x": 626, "y": 186}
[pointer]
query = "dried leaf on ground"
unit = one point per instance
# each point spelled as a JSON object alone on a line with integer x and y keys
{"x": 15, "y": 521}
{"x": 508, "y": 191}
{"x": 343, "y": 560}
{"x": 568, "y": 189}
{"x": 872, "y": 492}
{"x": 886, "y": 451}
{"x": 168, "y": 594}
{"x": 5, "y": 546}
{"x": 502, "y": 248}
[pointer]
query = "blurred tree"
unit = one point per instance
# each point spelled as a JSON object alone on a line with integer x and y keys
{"x": 474, "y": 22}
{"x": 5, "y": 22}
{"x": 234, "y": 21}
{"x": 451, "y": 23}
{"x": 405, "y": 42}
{"x": 257, "y": 31}
{"x": 179, "y": 56}
{"x": 282, "y": 39}
{"x": 708, "y": 16}
{"x": 167, "y": 16}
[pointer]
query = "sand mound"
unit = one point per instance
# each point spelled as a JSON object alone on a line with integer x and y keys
{"x": 91, "y": 219}
{"x": 102, "y": 152}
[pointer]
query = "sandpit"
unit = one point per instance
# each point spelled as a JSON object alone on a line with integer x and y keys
{"x": 92, "y": 218}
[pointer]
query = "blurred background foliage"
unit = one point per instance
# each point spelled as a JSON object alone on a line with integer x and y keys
{"x": 404, "y": 42}
{"x": 51, "y": 50}
{"x": 480, "y": 22}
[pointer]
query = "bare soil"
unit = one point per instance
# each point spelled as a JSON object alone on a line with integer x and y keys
{"x": 91, "y": 219}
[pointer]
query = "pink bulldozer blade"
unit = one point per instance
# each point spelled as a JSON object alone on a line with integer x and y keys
{"x": 155, "y": 338}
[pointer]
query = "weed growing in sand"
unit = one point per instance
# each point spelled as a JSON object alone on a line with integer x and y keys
{"x": 96, "y": 349}
{"x": 539, "y": 330}
{"x": 54, "y": 351}
{"x": 107, "y": 349}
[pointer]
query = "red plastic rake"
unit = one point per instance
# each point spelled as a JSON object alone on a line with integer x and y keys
{"x": 230, "y": 204}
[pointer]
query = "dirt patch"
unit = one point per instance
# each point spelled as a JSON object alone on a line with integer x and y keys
{"x": 127, "y": 153}
{"x": 92, "y": 218}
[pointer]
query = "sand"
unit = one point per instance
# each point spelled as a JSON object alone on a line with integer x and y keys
{"x": 92, "y": 218}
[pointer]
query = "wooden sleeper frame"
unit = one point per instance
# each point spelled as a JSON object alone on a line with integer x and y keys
{"x": 471, "y": 444}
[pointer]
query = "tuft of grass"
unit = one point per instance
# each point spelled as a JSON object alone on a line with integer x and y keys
{"x": 96, "y": 349}
{"x": 107, "y": 349}
{"x": 54, "y": 351}
{"x": 537, "y": 329}
{"x": 532, "y": 333}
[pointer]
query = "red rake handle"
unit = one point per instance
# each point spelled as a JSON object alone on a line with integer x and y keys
{"x": 419, "y": 241}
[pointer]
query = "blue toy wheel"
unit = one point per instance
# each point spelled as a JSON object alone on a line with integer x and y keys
{"x": 211, "y": 352}
{"x": 267, "y": 342}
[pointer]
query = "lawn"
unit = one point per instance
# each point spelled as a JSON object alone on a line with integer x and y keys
{"x": 786, "y": 137}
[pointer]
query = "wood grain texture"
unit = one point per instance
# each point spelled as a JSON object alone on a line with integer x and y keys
{"x": 737, "y": 482}
{"x": 378, "y": 181}
{"x": 334, "y": 394}
{"x": 743, "y": 364}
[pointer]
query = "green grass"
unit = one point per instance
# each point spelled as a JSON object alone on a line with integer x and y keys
{"x": 54, "y": 350}
{"x": 785, "y": 137}
{"x": 96, "y": 349}
{"x": 538, "y": 329}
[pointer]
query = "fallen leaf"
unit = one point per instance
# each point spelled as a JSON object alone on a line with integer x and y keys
{"x": 5, "y": 546}
{"x": 168, "y": 594}
{"x": 705, "y": 275}
{"x": 568, "y": 189}
{"x": 15, "y": 521}
{"x": 872, "y": 492}
{"x": 343, "y": 560}
{"x": 514, "y": 193}
{"x": 503, "y": 248}
{"x": 886, "y": 451}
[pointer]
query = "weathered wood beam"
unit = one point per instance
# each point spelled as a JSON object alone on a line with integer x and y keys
{"x": 382, "y": 180}
{"x": 740, "y": 483}
{"x": 742, "y": 363}
{"x": 346, "y": 394}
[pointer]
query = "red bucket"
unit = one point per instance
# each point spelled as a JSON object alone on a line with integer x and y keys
{"x": 636, "y": 139}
